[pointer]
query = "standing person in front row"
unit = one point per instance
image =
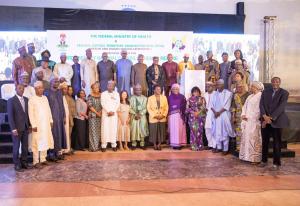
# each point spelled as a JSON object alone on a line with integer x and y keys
{"x": 41, "y": 122}
{"x": 272, "y": 110}
{"x": 124, "y": 121}
{"x": 80, "y": 128}
{"x": 155, "y": 75}
{"x": 176, "y": 118}
{"x": 139, "y": 124}
{"x": 251, "y": 142}
{"x": 209, "y": 114}
{"x": 110, "y": 101}
{"x": 64, "y": 88}
{"x": 196, "y": 113}
{"x": 17, "y": 109}
{"x": 72, "y": 113}
{"x": 157, "y": 107}
{"x": 55, "y": 99}
{"x": 222, "y": 128}
{"x": 94, "y": 104}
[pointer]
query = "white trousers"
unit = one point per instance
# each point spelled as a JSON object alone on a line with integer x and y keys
{"x": 39, "y": 156}
{"x": 223, "y": 145}
{"x": 209, "y": 137}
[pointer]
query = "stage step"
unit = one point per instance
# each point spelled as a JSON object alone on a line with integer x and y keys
{"x": 5, "y": 137}
{"x": 6, "y": 147}
{"x": 4, "y": 127}
{"x": 6, "y": 158}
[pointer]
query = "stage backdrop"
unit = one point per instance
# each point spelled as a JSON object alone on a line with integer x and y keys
{"x": 149, "y": 43}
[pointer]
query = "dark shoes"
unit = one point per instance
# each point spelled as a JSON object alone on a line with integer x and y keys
{"x": 18, "y": 168}
{"x": 262, "y": 164}
{"x": 143, "y": 148}
{"x": 26, "y": 166}
{"x": 225, "y": 153}
{"x": 103, "y": 149}
{"x": 114, "y": 149}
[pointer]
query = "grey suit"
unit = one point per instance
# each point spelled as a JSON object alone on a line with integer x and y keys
{"x": 273, "y": 104}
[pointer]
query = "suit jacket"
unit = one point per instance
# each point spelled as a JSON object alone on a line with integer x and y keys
{"x": 17, "y": 118}
{"x": 275, "y": 107}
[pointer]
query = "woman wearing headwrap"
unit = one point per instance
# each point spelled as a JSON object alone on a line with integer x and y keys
{"x": 176, "y": 118}
{"x": 238, "y": 100}
{"x": 251, "y": 141}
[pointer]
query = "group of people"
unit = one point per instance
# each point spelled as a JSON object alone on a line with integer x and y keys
{"x": 76, "y": 107}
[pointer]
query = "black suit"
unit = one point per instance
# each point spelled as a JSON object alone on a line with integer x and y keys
{"x": 18, "y": 120}
{"x": 273, "y": 105}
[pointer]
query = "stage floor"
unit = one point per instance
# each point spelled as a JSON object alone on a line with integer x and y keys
{"x": 151, "y": 177}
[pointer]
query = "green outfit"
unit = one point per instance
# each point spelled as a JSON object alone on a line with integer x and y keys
{"x": 138, "y": 128}
{"x": 236, "y": 109}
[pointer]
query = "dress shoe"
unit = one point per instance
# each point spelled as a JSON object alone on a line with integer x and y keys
{"x": 133, "y": 148}
{"x": 214, "y": 150}
{"x": 114, "y": 149}
{"x": 26, "y": 166}
{"x": 103, "y": 149}
{"x": 275, "y": 167}
{"x": 61, "y": 157}
{"x": 262, "y": 164}
{"x": 143, "y": 148}
{"x": 38, "y": 166}
{"x": 45, "y": 163}
{"x": 18, "y": 168}
{"x": 225, "y": 153}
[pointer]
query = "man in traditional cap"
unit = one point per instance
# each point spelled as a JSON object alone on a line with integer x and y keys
{"x": 221, "y": 127}
{"x": 209, "y": 115}
{"x": 110, "y": 101}
{"x": 185, "y": 64}
{"x": 212, "y": 68}
{"x": 139, "y": 124}
{"x": 28, "y": 90}
{"x": 31, "y": 51}
{"x": 41, "y": 122}
{"x": 55, "y": 99}
{"x": 138, "y": 74}
{"x": 21, "y": 64}
{"x": 123, "y": 69}
{"x": 106, "y": 71}
{"x": 88, "y": 72}
{"x": 63, "y": 70}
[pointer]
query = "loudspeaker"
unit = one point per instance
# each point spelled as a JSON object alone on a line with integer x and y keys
{"x": 240, "y": 9}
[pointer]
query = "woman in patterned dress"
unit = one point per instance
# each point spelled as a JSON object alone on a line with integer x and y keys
{"x": 124, "y": 121}
{"x": 238, "y": 101}
{"x": 94, "y": 104}
{"x": 196, "y": 112}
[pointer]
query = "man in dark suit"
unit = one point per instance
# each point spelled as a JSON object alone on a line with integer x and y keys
{"x": 17, "y": 109}
{"x": 272, "y": 109}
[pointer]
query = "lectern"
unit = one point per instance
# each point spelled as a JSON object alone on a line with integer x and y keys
{"x": 190, "y": 79}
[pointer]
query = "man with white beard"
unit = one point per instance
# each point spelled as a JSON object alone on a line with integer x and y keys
{"x": 41, "y": 122}
{"x": 63, "y": 70}
{"x": 221, "y": 127}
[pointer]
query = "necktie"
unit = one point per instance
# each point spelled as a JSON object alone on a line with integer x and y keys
{"x": 22, "y": 103}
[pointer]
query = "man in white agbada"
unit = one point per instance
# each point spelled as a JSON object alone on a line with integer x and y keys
{"x": 110, "y": 101}
{"x": 64, "y": 88}
{"x": 221, "y": 124}
{"x": 88, "y": 72}
{"x": 28, "y": 92}
{"x": 210, "y": 115}
{"x": 41, "y": 122}
{"x": 63, "y": 70}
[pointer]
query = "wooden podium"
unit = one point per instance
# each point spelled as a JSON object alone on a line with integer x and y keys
{"x": 190, "y": 79}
